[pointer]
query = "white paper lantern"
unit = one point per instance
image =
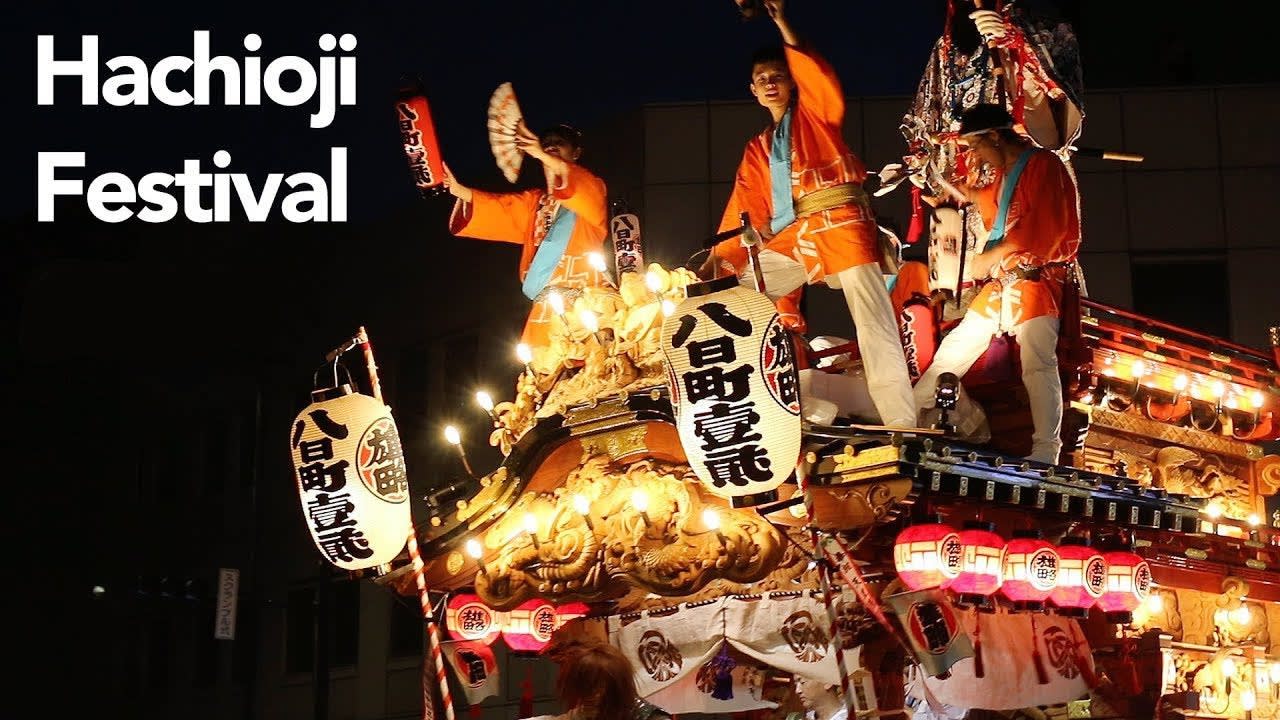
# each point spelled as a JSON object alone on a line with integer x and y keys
{"x": 732, "y": 375}
{"x": 350, "y": 470}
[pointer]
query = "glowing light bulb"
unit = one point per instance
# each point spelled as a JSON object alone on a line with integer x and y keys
{"x": 1154, "y": 603}
{"x": 1228, "y": 667}
{"x": 1254, "y": 520}
{"x": 596, "y": 261}
{"x": 556, "y": 301}
{"x": 1256, "y": 399}
{"x": 1232, "y": 402}
{"x": 668, "y": 308}
{"x": 588, "y": 320}
{"x": 524, "y": 354}
{"x": 653, "y": 281}
{"x": 711, "y": 518}
{"x": 1138, "y": 369}
{"x": 1219, "y": 390}
{"x": 474, "y": 549}
{"x": 485, "y": 401}
{"x": 1180, "y": 383}
{"x": 640, "y": 500}
{"x": 1274, "y": 673}
{"x": 1214, "y": 511}
{"x": 1109, "y": 372}
{"x": 581, "y": 504}
{"x": 452, "y": 435}
{"x": 1248, "y": 700}
{"x": 530, "y": 523}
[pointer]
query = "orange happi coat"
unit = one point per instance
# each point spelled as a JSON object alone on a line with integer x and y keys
{"x": 523, "y": 218}
{"x": 1043, "y": 227}
{"x": 825, "y": 242}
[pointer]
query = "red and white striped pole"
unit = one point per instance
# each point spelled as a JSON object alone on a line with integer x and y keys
{"x": 433, "y": 639}
{"x": 824, "y": 578}
{"x": 419, "y": 574}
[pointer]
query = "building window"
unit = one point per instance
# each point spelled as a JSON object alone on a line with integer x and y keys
{"x": 346, "y": 624}
{"x": 1187, "y": 290}
{"x": 300, "y": 628}
{"x": 406, "y": 627}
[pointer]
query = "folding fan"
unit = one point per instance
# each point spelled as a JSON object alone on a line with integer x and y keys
{"x": 504, "y": 116}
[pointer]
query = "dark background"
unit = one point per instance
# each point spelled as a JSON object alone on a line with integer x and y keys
{"x": 125, "y": 340}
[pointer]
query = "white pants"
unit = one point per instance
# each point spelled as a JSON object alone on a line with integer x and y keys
{"x": 1037, "y": 344}
{"x": 876, "y": 324}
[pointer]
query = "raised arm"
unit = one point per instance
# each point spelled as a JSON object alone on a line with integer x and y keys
{"x": 816, "y": 82}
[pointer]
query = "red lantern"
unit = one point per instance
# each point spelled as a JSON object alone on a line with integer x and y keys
{"x": 927, "y": 555}
{"x": 980, "y": 554}
{"x": 468, "y": 618}
{"x": 1128, "y": 584}
{"x": 1030, "y": 568}
{"x": 528, "y": 628}
{"x": 568, "y": 612}
{"x": 1082, "y": 577}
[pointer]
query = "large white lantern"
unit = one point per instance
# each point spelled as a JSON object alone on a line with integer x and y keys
{"x": 351, "y": 478}
{"x": 732, "y": 375}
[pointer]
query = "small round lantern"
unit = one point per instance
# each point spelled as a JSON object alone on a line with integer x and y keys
{"x": 927, "y": 555}
{"x": 1082, "y": 577}
{"x": 468, "y": 618}
{"x": 1128, "y": 584}
{"x": 980, "y": 572}
{"x": 1030, "y": 568}
{"x": 529, "y": 626}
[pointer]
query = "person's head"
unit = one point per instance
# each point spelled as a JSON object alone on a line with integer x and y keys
{"x": 987, "y": 130}
{"x": 562, "y": 140}
{"x": 771, "y": 82}
{"x": 816, "y": 695}
{"x": 597, "y": 678}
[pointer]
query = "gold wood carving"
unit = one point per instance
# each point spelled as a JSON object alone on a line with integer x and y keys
{"x": 856, "y": 505}
{"x": 1176, "y": 469}
{"x": 1130, "y": 422}
{"x": 616, "y": 444}
{"x": 665, "y": 550}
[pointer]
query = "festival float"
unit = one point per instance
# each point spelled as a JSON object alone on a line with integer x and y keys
{"x": 673, "y": 480}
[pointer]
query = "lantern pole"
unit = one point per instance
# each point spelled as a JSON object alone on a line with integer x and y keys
{"x": 419, "y": 576}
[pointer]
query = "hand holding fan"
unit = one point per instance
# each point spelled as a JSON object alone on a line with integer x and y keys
{"x": 504, "y": 117}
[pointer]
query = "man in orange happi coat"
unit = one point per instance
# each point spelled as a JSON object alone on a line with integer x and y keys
{"x": 557, "y": 228}
{"x": 1030, "y": 212}
{"x": 802, "y": 188}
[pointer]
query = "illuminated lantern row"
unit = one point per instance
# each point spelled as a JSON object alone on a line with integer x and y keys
{"x": 976, "y": 563}
{"x": 527, "y": 628}
{"x": 351, "y": 478}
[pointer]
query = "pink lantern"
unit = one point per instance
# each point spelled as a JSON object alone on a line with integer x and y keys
{"x": 1082, "y": 577}
{"x": 980, "y": 554}
{"x": 1030, "y": 568}
{"x": 1128, "y": 584}
{"x": 528, "y": 628}
{"x": 927, "y": 555}
{"x": 468, "y": 618}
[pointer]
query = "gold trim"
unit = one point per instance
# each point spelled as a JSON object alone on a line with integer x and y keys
{"x": 1220, "y": 358}
{"x": 1154, "y": 356}
{"x": 1152, "y": 430}
{"x": 616, "y": 443}
{"x": 1151, "y": 337}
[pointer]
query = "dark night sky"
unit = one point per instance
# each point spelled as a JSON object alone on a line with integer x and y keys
{"x": 576, "y": 61}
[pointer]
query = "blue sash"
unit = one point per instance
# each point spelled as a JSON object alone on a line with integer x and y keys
{"x": 784, "y": 212}
{"x": 549, "y": 253}
{"x": 1006, "y": 199}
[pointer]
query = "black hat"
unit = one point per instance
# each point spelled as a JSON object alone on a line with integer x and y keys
{"x": 564, "y": 131}
{"x": 981, "y": 118}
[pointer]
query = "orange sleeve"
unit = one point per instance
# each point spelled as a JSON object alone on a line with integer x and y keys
{"x": 750, "y": 190}
{"x": 817, "y": 84}
{"x": 500, "y": 217}
{"x": 585, "y": 194}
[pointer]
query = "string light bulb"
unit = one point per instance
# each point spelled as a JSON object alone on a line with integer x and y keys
{"x": 556, "y": 301}
{"x": 452, "y": 435}
{"x": 668, "y": 308}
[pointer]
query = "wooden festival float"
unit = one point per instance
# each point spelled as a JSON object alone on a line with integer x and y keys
{"x": 662, "y": 480}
